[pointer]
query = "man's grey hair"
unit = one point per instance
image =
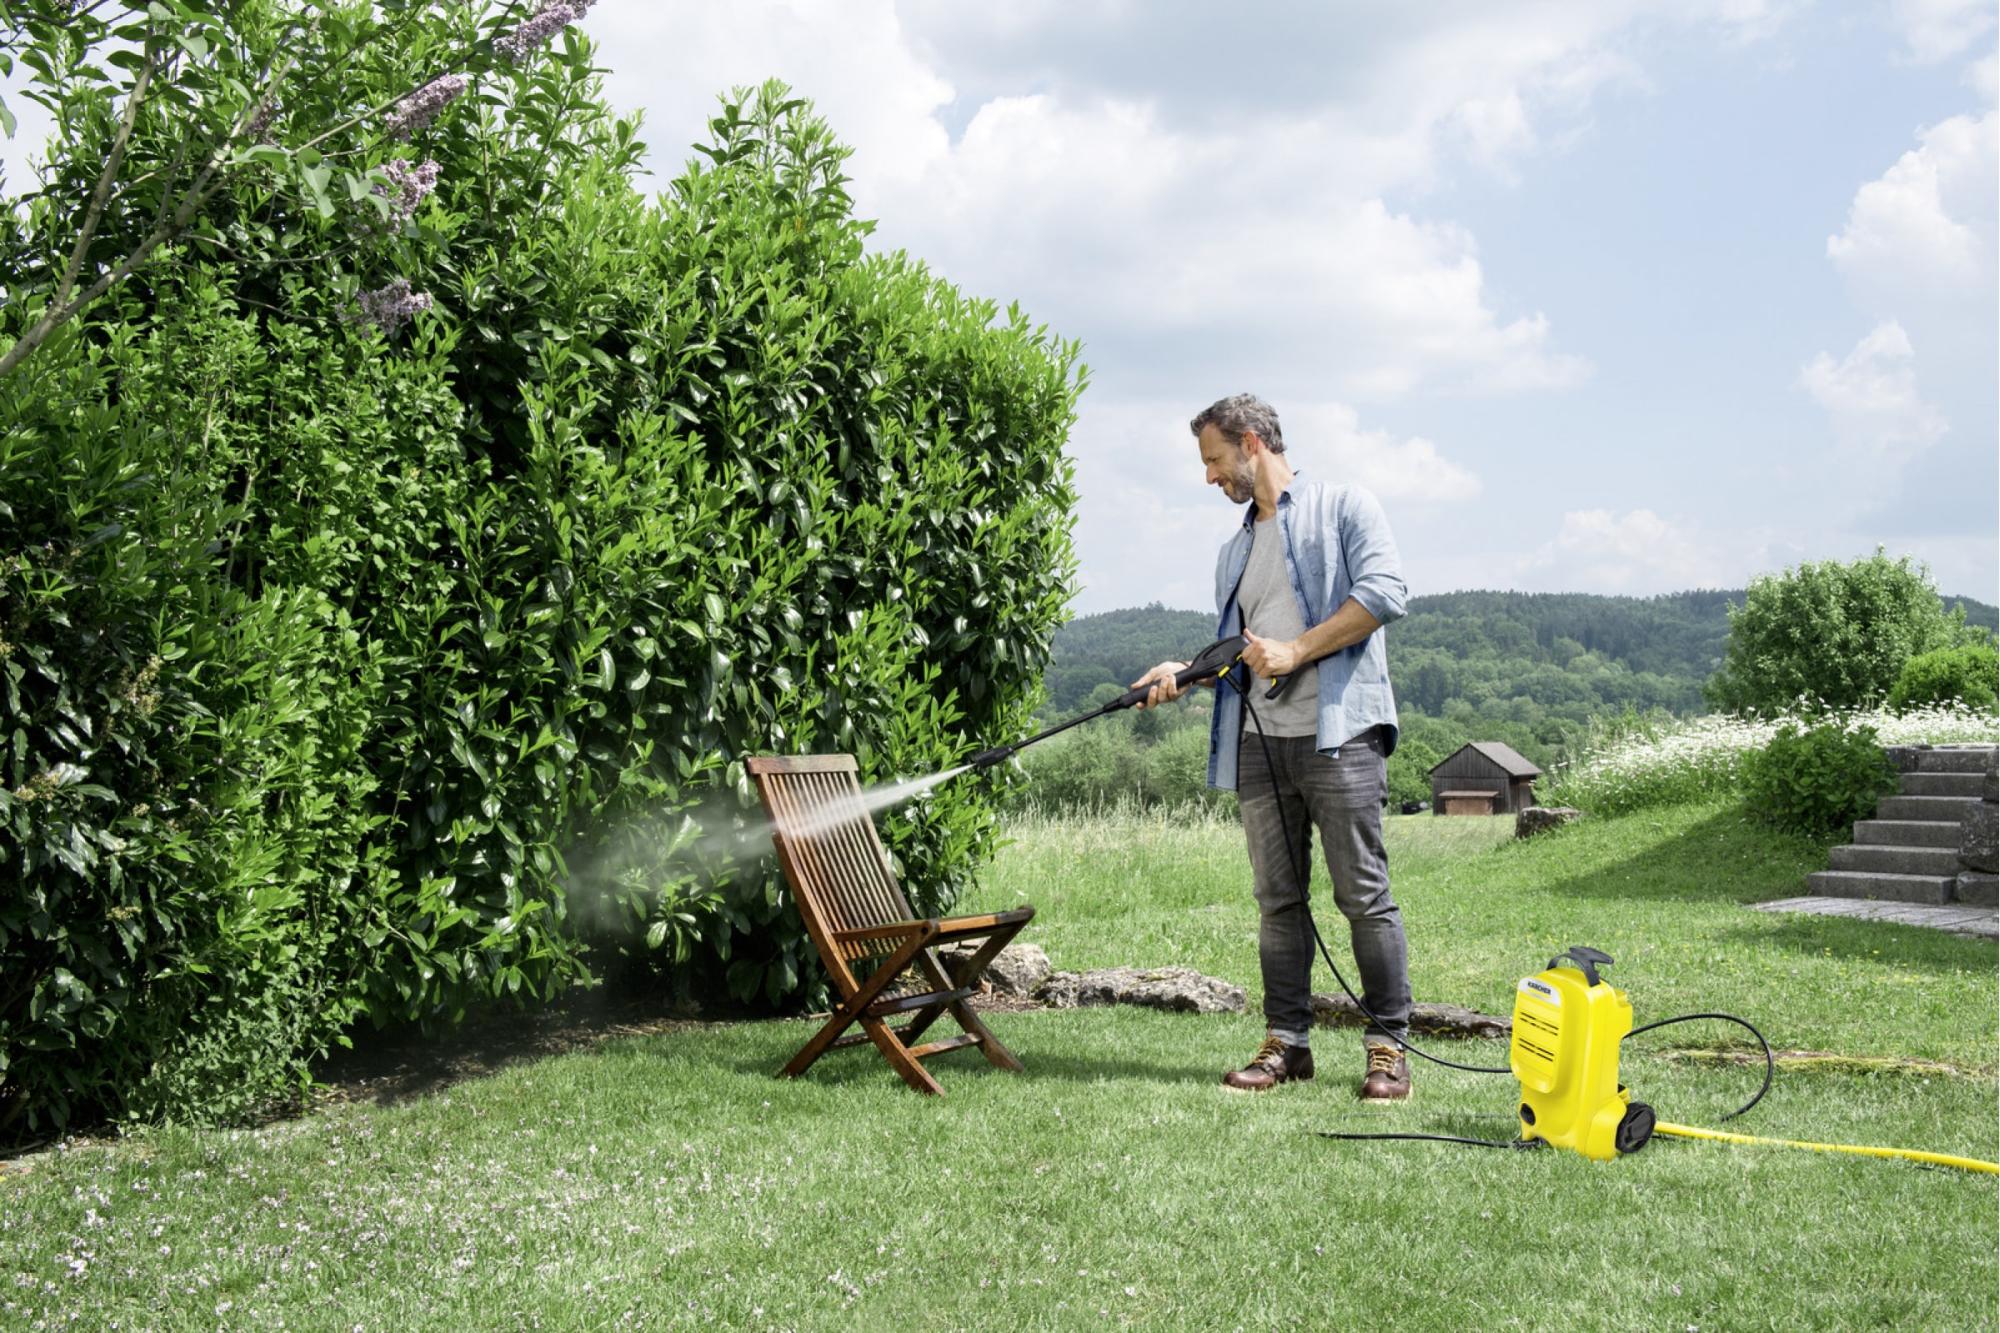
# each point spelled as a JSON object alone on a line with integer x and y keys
{"x": 1239, "y": 414}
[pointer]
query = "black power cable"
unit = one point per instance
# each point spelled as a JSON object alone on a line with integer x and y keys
{"x": 1521, "y": 1144}
{"x": 1305, "y": 905}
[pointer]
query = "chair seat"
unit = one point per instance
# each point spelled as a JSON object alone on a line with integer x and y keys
{"x": 943, "y": 928}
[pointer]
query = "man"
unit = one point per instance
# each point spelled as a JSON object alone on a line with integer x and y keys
{"x": 1309, "y": 580}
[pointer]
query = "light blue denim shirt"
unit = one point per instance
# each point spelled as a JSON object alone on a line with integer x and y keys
{"x": 1337, "y": 546}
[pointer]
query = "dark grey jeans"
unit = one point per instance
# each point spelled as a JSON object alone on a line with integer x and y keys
{"x": 1341, "y": 796}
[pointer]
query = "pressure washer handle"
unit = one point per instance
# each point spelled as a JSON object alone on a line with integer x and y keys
{"x": 1585, "y": 960}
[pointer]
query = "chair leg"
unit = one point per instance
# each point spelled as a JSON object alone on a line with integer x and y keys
{"x": 995, "y": 1050}
{"x": 817, "y": 1047}
{"x": 850, "y": 1009}
{"x": 899, "y": 1057}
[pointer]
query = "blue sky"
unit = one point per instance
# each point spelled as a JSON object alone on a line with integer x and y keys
{"x": 1605, "y": 296}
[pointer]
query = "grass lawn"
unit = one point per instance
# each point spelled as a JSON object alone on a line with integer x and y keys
{"x": 669, "y": 1179}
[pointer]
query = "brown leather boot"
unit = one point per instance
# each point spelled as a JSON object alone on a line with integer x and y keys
{"x": 1273, "y": 1064}
{"x": 1388, "y": 1076}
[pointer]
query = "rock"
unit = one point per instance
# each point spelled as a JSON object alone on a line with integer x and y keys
{"x": 1180, "y": 989}
{"x": 1540, "y": 818}
{"x": 1991, "y": 792}
{"x": 1017, "y": 969}
{"x": 1977, "y": 888}
{"x": 1446, "y": 1020}
{"x": 1977, "y": 834}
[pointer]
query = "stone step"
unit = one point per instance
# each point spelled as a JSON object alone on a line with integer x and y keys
{"x": 1906, "y": 833}
{"x": 1896, "y": 860}
{"x": 1959, "y": 919}
{"x": 1944, "y": 758}
{"x": 1943, "y": 784}
{"x": 1942, "y": 808}
{"x": 1933, "y": 889}
{"x": 1976, "y": 888}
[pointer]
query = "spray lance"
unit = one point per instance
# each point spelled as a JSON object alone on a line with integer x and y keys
{"x": 1211, "y": 663}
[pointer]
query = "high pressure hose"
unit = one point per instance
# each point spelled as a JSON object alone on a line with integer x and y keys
{"x": 1305, "y": 905}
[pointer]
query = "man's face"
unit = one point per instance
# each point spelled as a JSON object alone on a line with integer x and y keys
{"x": 1228, "y": 465}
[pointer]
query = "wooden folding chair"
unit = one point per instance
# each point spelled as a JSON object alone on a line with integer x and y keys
{"x": 856, "y": 912}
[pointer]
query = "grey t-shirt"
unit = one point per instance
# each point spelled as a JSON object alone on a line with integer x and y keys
{"x": 1271, "y": 611}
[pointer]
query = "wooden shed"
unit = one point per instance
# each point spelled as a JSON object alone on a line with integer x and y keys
{"x": 1483, "y": 778}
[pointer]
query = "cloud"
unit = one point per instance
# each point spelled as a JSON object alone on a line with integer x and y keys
{"x": 1925, "y": 229}
{"x": 1937, "y": 30}
{"x": 1871, "y": 397}
{"x": 1111, "y": 218}
{"x": 1148, "y": 527}
{"x": 1984, "y": 76}
{"x": 1639, "y": 553}
{"x": 854, "y": 60}
{"x": 1410, "y": 470}
{"x": 1088, "y": 162}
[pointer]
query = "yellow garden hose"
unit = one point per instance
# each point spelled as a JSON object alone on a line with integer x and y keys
{"x": 1913, "y": 1154}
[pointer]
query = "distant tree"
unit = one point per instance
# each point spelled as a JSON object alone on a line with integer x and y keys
{"x": 1410, "y": 770}
{"x": 1833, "y": 633}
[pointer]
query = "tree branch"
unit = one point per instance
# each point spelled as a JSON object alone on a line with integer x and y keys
{"x": 204, "y": 188}
{"x": 88, "y": 231}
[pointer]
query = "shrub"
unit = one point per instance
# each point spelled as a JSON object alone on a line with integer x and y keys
{"x": 1112, "y": 763}
{"x": 1817, "y": 780}
{"x": 1831, "y": 636}
{"x": 1968, "y": 674}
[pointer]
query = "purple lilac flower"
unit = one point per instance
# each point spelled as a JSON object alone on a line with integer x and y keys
{"x": 391, "y": 306}
{"x": 421, "y": 107}
{"x": 409, "y": 184}
{"x": 545, "y": 23}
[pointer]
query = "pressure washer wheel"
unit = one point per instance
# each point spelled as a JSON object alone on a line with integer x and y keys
{"x": 1635, "y": 1129}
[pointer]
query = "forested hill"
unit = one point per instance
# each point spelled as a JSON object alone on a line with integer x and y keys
{"x": 1570, "y": 654}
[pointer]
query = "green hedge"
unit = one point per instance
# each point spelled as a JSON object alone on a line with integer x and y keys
{"x": 353, "y": 677}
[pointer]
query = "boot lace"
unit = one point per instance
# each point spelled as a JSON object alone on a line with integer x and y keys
{"x": 1271, "y": 1055}
{"x": 1383, "y": 1060}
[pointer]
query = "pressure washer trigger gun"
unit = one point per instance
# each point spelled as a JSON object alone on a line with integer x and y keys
{"x": 1211, "y": 663}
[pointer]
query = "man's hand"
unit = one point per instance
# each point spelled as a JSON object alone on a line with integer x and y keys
{"x": 1164, "y": 690}
{"x": 1272, "y": 658}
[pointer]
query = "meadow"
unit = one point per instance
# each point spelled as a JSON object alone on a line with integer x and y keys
{"x": 669, "y": 1179}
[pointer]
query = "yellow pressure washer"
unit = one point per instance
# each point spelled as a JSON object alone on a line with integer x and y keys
{"x": 1568, "y": 1023}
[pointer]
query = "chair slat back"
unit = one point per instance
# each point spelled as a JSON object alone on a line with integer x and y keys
{"x": 832, "y": 855}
